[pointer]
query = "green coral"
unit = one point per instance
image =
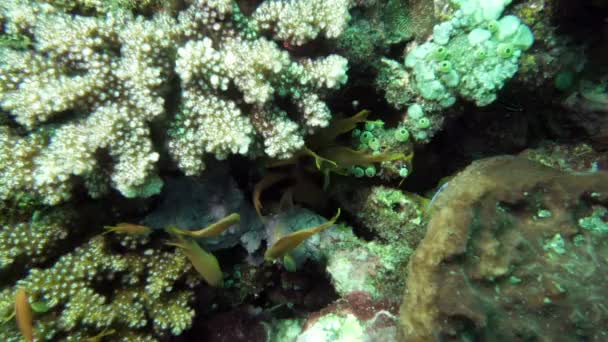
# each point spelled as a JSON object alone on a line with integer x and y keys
{"x": 596, "y": 222}
{"x": 373, "y": 138}
{"x": 143, "y": 302}
{"x": 437, "y": 73}
{"x": 32, "y": 237}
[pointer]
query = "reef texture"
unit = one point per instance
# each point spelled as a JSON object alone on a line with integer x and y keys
{"x": 82, "y": 92}
{"x": 102, "y": 287}
{"x": 514, "y": 251}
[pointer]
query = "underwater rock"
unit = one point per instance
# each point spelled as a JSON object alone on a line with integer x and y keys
{"x": 570, "y": 158}
{"x": 393, "y": 215}
{"x": 514, "y": 251}
{"x": 194, "y": 203}
{"x": 352, "y": 264}
{"x": 355, "y": 317}
{"x": 368, "y": 267}
{"x": 588, "y": 105}
{"x": 314, "y": 248}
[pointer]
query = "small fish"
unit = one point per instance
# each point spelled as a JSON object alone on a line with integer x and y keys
{"x": 328, "y": 135}
{"x": 128, "y": 228}
{"x": 510, "y": 106}
{"x": 23, "y": 315}
{"x": 319, "y": 160}
{"x": 346, "y": 157}
{"x": 289, "y": 263}
{"x": 269, "y": 180}
{"x": 436, "y": 195}
{"x": 291, "y": 241}
{"x": 211, "y": 230}
{"x": 204, "y": 263}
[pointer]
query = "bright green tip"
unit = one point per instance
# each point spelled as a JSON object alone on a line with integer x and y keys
{"x": 374, "y": 144}
{"x": 424, "y": 122}
{"x": 358, "y": 171}
{"x": 402, "y": 134}
{"x": 505, "y": 50}
{"x": 366, "y": 137}
{"x": 370, "y": 171}
{"x": 445, "y": 66}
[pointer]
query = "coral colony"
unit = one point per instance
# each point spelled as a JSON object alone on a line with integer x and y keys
{"x": 303, "y": 170}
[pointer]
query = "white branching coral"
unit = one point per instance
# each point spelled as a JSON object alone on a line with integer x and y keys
{"x": 260, "y": 71}
{"x": 83, "y": 95}
{"x": 297, "y": 22}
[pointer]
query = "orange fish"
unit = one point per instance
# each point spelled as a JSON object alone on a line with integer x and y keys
{"x": 291, "y": 241}
{"x": 269, "y": 180}
{"x": 23, "y": 315}
{"x": 128, "y": 228}
{"x": 211, "y": 230}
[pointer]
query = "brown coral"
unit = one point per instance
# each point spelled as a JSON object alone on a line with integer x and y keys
{"x": 506, "y": 258}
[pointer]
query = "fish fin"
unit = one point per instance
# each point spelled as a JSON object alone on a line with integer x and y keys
{"x": 9, "y": 318}
{"x": 289, "y": 263}
{"x": 338, "y": 127}
{"x": 267, "y": 181}
{"x": 173, "y": 230}
{"x": 326, "y": 179}
{"x": 318, "y": 159}
{"x": 286, "y": 202}
{"x": 177, "y": 244}
{"x": 109, "y": 229}
{"x": 328, "y": 223}
{"x": 24, "y": 315}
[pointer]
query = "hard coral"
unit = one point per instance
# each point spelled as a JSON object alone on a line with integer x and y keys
{"x": 82, "y": 98}
{"x": 95, "y": 289}
{"x": 511, "y": 254}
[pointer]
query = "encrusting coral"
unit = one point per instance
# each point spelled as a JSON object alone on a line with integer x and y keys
{"x": 84, "y": 94}
{"x": 509, "y": 244}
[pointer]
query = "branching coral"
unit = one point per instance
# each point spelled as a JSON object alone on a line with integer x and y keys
{"x": 32, "y": 237}
{"x": 142, "y": 301}
{"x": 83, "y": 97}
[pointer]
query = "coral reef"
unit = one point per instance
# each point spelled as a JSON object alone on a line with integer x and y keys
{"x": 192, "y": 204}
{"x": 470, "y": 56}
{"x": 508, "y": 244}
{"x": 102, "y": 286}
{"x": 393, "y": 216}
{"x": 83, "y": 97}
{"x": 303, "y": 170}
{"x": 32, "y": 237}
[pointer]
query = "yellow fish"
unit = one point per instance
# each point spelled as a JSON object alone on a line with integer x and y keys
{"x": 128, "y": 228}
{"x": 204, "y": 263}
{"x": 289, "y": 242}
{"x": 346, "y": 157}
{"x": 269, "y": 180}
{"x": 211, "y": 230}
{"x": 23, "y": 315}
{"x": 327, "y": 136}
